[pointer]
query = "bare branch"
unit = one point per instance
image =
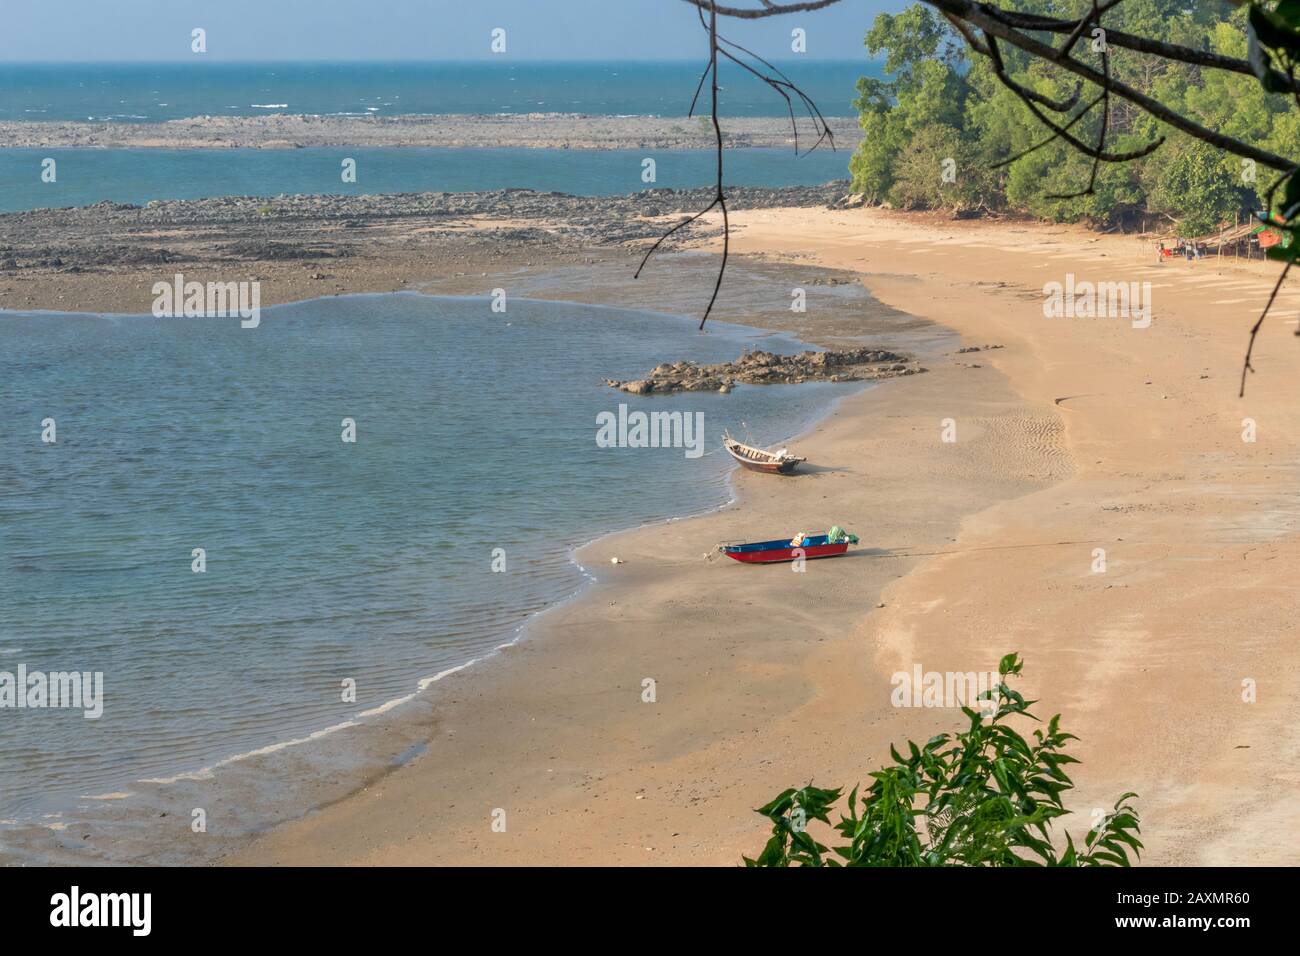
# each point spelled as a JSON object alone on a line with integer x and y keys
{"x": 1024, "y": 92}
{"x": 780, "y": 85}
{"x": 661, "y": 239}
{"x": 1051, "y": 139}
{"x": 769, "y": 9}
{"x": 779, "y": 82}
{"x": 1159, "y": 48}
{"x": 1063, "y": 132}
{"x": 1254, "y": 331}
{"x": 1082, "y": 25}
{"x": 726, "y": 249}
{"x": 964, "y": 28}
{"x": 1105, "y": 107}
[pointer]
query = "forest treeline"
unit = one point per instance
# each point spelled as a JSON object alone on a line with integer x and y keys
{"x": 935, "y": 129}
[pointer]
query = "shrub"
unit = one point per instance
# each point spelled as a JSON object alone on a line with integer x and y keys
{"x": 984, "y": 797}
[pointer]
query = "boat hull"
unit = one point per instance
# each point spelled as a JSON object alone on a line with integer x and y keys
{"x": 755, "y": 459}
{"x": 783, "y": 555}
{"x": 766, "y": 467}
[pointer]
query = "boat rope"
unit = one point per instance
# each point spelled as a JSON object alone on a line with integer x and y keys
{"x": 991, "y": 547}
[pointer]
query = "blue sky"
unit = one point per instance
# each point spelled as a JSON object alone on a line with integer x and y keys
{"x": 153, "y": 30}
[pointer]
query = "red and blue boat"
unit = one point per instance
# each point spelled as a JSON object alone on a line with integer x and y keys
{"x": 789, "y": 549}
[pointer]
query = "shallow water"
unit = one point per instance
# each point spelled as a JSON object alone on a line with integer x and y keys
{"x": 326, "y": 561}
{"x": 138, "y": 176}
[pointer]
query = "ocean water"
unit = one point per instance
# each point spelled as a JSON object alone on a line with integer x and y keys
{"x": 140, "y": 175}
{"x": 155, "y": 92}
{"x": 326, "y": 561}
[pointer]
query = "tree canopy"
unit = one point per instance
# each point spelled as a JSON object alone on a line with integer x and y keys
{"x": 940, "y": 103}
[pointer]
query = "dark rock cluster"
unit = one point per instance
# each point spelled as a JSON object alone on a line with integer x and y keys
{"x": 768, "y": 368}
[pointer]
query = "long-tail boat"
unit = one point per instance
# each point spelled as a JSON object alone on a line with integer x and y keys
{"x": 788, "y": 549}
{"x": 756, "y": 459}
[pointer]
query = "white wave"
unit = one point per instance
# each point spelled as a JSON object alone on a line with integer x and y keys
{"x": 206, "y": 773}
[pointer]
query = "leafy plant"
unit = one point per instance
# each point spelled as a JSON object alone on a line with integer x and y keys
{"x": 983, "y": 797}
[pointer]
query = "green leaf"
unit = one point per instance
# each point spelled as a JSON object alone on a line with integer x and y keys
{"x": 1271, "y": 30}
{"x": 984, "y": 797}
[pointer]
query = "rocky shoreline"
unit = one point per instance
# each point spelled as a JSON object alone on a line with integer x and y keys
{"x": 107, "y": 256}
{"x": 290, "y": 227}
{"x": 531, "y": 130}
{"x": 759, "y": 367}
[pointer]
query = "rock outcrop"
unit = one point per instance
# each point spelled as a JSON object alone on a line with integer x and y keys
{"x": 768, "y": 368}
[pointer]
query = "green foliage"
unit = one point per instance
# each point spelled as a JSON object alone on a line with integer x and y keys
{"x": 1194, "y": 185}
{"x": 983, "y": 797}
{"x": 1273, "y": 48}
{"x": 938, "y": 98}
{"x": 915, "y": 185}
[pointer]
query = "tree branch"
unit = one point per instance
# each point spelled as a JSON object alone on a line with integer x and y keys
{"x": 769, "y": 9}
{"x": 1254, "y": 331}
{"x": 779, "y": 82}
{"x": 983, "y": 17}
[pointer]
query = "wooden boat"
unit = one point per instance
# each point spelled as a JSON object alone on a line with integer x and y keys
{"x": 756, "y": 459}
{"x": 775, "y": 552}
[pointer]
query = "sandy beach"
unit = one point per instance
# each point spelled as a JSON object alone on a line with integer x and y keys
{"x": 1077, "y": 434}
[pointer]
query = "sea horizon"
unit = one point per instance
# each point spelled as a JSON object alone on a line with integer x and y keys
{"x": 156, "y": 92}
